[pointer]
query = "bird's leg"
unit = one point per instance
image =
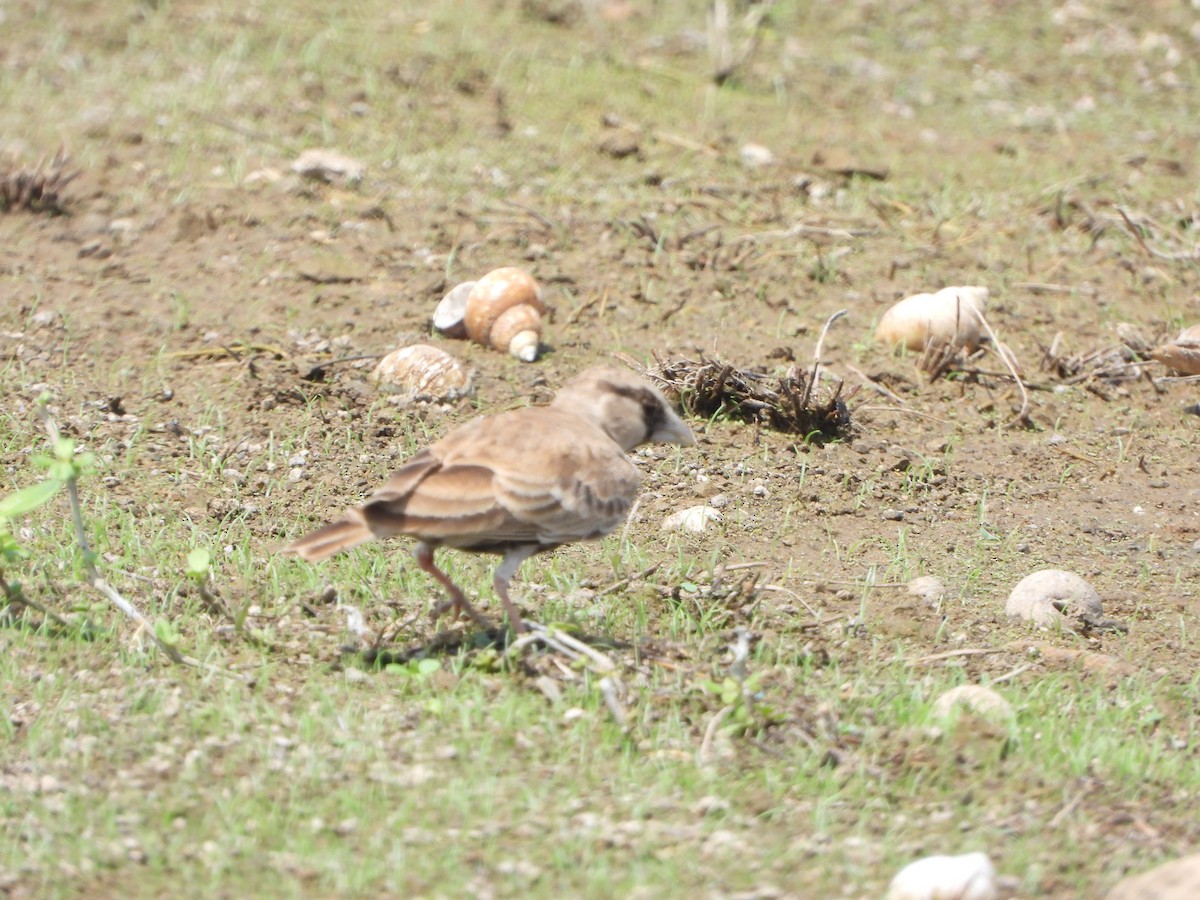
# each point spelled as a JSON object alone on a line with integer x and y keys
{"x": 504, "y": 574}
{"x": 458, "y": 601}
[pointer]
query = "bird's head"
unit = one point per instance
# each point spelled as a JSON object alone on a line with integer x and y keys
{"x": 627, "y": 408}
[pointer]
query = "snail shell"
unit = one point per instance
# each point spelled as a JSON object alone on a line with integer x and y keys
{"x": 1181, "y": 354}
{"x": 1053, "y": 597}
{"x": 448, "y": 316}
{"x": 421, "y": 371}
{"x": 951, "y": 316}
{"x": 504, "y": 311}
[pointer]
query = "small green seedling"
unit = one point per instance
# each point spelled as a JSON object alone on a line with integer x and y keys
{"x": 17, "y": 504}
{"x": 199, "y": 572}
{"x": 743, "y": 698}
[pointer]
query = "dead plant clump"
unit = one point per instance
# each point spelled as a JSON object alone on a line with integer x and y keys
{"x": 37, "y": 190}
{"x": 791, "y": 403}
{"x": 1113, "y": 364}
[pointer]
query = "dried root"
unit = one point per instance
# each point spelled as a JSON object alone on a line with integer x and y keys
{"x": 37, "y": 190}
{"x": 787, "y": 403}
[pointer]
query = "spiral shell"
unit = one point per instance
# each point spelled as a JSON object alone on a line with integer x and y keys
{"x": 504, "y": 311}
{"x": 421, "y": 371}
{"x": 449, "y": 313}
{"x": 951, "y": 316}
{"x": 1053, "y": 597}
{"x": 1181, "y": 354}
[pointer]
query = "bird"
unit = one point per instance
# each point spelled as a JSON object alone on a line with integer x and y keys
{"x": 515, "y": 483}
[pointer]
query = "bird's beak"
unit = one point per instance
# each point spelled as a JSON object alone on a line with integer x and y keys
{"x": 674, "y": 430}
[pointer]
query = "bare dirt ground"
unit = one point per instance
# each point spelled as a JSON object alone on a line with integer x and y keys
{"x": 180, "y": 311}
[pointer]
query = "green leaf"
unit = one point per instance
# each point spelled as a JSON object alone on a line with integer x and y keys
{"x": 60, "y": 470}
{"x": 28, "y": 499}
{"x": 165, "y": 632}
{"x": 64, "y": 449}
{"x": 198, "y": 562}
{"x": 426, "y": 667}
{"x": 10, "y": 550}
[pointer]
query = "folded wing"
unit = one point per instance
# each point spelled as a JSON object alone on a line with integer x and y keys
{"x": 531, "y": 476}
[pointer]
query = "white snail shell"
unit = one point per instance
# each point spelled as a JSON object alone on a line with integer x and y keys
{"x": 967, "y": 877}
{"x": 421, "y": 371}
{"x": 1052, "y": 597}
{"x": 950, "y": 316}
{"x": 448, "y": 316}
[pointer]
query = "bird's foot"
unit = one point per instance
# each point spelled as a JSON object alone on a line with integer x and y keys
{"x": 461, "y": 606}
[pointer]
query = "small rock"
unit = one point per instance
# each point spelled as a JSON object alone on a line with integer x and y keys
{"x": 619, "y": 143}
{"x": 194, "y": 224}
{"x": 329, "y": 166}
{"x": 755, "y": 156}
{"x": 892, "y": 515}
{"x": 1129, "y": 335}
{"x": 330, "y": 266}
{"x": 694, "y": 518}
{"x": 982, "y": 701}
{"x": 710, "y": 805}
{"x": 931, "y": 590}
{"x": 266, "y": 175}
{"x": 124, "y": 229}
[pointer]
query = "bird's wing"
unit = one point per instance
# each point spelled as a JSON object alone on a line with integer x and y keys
{"x": 555, "y": 473}
{"x": 438, "y": 503}
{"x": 584, "y": 492}
{"x": 528, "y": 476}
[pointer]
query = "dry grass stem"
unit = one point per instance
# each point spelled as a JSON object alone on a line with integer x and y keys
{"x": 1010, "y": 363}
{"x": 93, "y": 575}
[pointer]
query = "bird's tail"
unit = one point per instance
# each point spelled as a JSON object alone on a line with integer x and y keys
{"x": 332, "y": 538}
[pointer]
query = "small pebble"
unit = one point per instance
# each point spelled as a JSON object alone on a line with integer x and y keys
{"x": 694, "y": 518}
